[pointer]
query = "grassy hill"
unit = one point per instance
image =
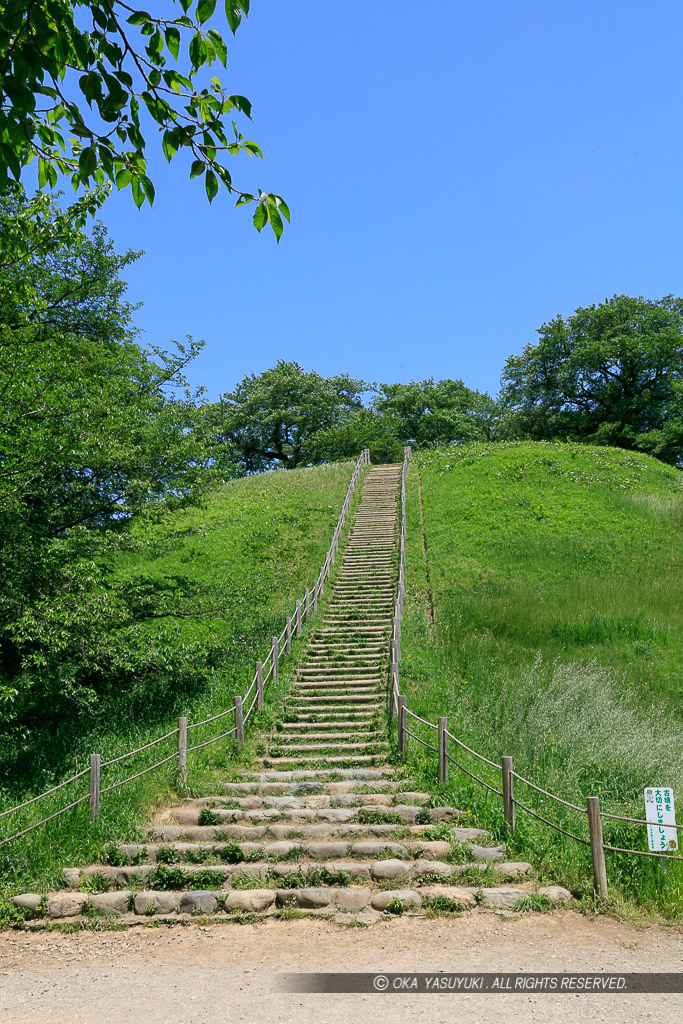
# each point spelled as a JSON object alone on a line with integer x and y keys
{"x": 237, "y": 565}
{"x": 555, "y": 573}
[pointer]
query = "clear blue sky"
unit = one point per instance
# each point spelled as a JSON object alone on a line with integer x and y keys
{"x": 458, "y": 173}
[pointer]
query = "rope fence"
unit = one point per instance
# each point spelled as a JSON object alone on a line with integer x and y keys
{"x": 398, "y": 706}
{"x": 280, "y": 645}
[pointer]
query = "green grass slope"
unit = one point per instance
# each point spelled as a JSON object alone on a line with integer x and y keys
{"x": 556, "y": 575}
{"x": 237, "y": 565}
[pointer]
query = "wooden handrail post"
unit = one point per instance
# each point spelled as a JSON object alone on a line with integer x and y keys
{"x": 393, "y": 686}
{"x": 443, "y": 750}
{"x": 316, "y": 585}
{"x": 239, "y": 723}
{"x": 94, "y": 786}
{"x": 182, "y": 748}
{"x": 321, "y": 583}
{"x": 307, "y": 604}
{"x": 508, "y": 792}
{"x": 597, "y": 849}
{"x": 395, "y": 654}
{"x": 275, "y": 657}
{"x": 259, "y": 686}
{"x": 297, "y": 618}
{"x": 288, "y": 634}
{"x": 402, "y": 725}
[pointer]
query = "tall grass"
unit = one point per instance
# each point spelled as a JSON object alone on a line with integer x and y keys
{"x": 249, "y": 553}
{"x": 558, "y": 640}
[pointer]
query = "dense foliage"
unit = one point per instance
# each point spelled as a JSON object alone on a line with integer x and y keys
{"x": 94, "y": 433}
{"x": 113, "y": 76}
{"x": 286, "y": 417}
{"x": 609, "y": 374}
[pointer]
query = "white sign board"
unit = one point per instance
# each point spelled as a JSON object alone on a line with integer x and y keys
{"x": 659, "y": 812}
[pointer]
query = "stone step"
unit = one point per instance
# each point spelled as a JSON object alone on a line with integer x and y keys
{"x": 369, "y": 905}
{"x": 311, "y": 796}
{"x": 325, "y": 748}
{"x": 334, "y": 725}
{"x": 399, "y": 813}
{"x": 319, "y": 775}
{"x": 300, "y": 851}
{"x": 341, "y": 871}
{"x": 305, "y": 733}
{"x": 303, "y": 832}
{"x": 283, "y": 788}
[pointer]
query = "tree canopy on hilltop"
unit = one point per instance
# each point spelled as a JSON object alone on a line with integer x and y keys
{"x": 609, "y": 374}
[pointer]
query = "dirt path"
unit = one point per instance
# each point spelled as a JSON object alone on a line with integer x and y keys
{"x": 201, "y": 975}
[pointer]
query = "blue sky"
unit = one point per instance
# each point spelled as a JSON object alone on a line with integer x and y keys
{"x": 458, "y": 173}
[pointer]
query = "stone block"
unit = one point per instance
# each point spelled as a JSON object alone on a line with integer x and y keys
{"x": 110, "y": 902}
{"x": 251, "y": 900}
{"x": 314, "y": 897}
{"x": 351, "y": 900}
{"x": 199, "y": 902}
{"x": 408, "y": 897}
{"x": 150, "y": 902}
{"x": 62, "y": 904}
{"x": 388, "y": 870}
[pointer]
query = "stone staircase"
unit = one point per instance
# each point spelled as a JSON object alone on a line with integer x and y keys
{"x": 354, "y": 844}
{"x": 335, "y": 712}
{"x": 338, "y": 832}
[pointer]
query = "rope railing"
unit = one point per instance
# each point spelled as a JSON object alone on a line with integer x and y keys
{"x": 280, "y": 645}
{"x": 398, "y": 705}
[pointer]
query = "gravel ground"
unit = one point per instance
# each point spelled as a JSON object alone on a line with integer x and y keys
{"x": 224, "y": 972}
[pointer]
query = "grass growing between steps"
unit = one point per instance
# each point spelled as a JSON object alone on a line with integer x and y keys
{"x": 557, "y": 579}
{"x": 246, "y": 556}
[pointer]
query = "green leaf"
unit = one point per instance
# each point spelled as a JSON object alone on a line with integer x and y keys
{"x": 244, "y": 4}
{"x": 139, "y": 18}
{"x": 283, "y": 208}
{"x": 205, "y": 9}
{"x": 148, "y": 188}
{"x": 198, "y": 167}
{"x": 233, "y": 14}
{"x": 219, "y": 46}
{"x": 169, "y": 145}
{"x": 275, "y": 220}
{"x": 260, "y": 216}
{"x": 138, "y": 194}
{"x": 87, "y": 162}
{"x": 172, "y": 36}
{"x": 211, "y": 184}
{"x": 123, "y": 178}
{"x": 42, "y": 172}
{"x": 242, "y": 104}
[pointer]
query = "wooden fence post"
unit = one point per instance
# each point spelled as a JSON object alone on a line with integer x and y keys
{"x": 288, "y": 634}
{"x": 307, "y": 604}
{"x": 597, "y": 849}
{"x": 297, "y": 618}
{"x": 443, "y": 750}
{"x": 315, "y": 595}
{"x": 275, "y": 657}
{"x": 321, "y": 583}
{"x": 508, "y": 792}
{"x": 259, "y": 686}
{"x": 182, "y": 748}
{"x": 94, "y": 786}
{"x": 402, "y": 725}
{"x": 394, "y": 651}
{"x": 239, "y": 723}
{"x": 393, "y": 685}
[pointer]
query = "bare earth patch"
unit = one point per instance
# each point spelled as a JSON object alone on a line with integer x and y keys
{"x": 223, "y": 972}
